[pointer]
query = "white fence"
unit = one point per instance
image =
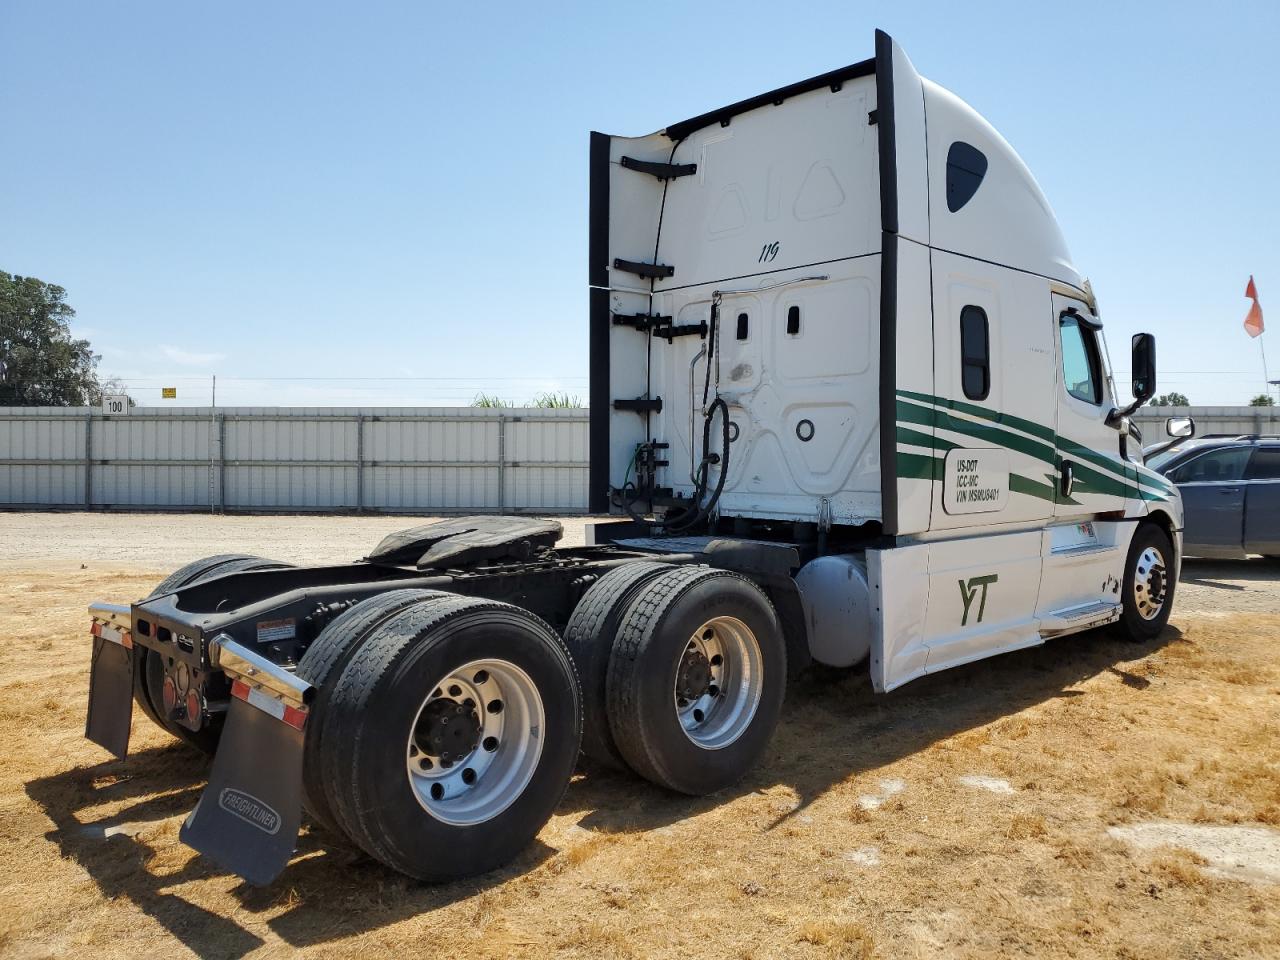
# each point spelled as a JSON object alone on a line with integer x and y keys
{"x": 285, "y": 459}
{"x": 1263, "y": 421}
{"x": 389, "y": 460}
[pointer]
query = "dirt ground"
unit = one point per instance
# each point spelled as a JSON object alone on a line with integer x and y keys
{"x": 1088, "y": 798}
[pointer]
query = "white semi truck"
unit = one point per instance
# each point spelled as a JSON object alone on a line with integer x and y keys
{"x": 850, "y": 403}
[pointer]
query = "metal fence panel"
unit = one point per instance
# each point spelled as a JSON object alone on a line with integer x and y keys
{"x": 1263, "y": 421}
{"x": 412, "y": 460}
{"x": 43, "y": 455}
{"x": 407, "y": 460}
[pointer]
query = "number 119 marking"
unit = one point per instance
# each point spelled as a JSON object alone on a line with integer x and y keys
{"x": 769, "y": 252}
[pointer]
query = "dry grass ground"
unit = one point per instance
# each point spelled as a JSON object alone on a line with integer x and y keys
{"x": 1005, "y": 808}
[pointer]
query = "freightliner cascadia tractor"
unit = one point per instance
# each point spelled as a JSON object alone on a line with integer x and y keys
{"x": 850, "y": 403}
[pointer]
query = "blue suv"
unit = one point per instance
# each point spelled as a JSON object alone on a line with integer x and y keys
{"x": 1230, "y": 488}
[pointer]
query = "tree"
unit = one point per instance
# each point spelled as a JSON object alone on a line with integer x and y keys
{"x": 40, "y": 364}
{"x": 112, "y": 387}
{"x": 1171, "y": 400}
{"x": 1262, "y": 400}
{"x": 557, "y": 401}
{"x": 546, "y": 401}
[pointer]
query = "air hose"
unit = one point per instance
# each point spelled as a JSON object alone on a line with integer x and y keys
{"x": 697, "y": 514}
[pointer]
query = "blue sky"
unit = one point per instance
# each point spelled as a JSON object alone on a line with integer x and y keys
{"x": 399, "y": 190}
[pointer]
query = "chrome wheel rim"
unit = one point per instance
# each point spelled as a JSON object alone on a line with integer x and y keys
{"x": 1150, "y": 583}
{"x": 719, "y": 682}
{"x": 475, "y": 742}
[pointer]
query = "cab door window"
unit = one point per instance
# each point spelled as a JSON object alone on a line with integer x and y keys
{"x": 1081, "y": 360}
{"x": 975, "y": 353}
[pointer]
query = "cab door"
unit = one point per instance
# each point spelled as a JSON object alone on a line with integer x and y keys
{"x": 1090, "y": 475}
{"x": 992, "y": 419}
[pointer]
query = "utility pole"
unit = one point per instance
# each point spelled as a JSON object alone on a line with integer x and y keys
{"x": 213, "y": 433}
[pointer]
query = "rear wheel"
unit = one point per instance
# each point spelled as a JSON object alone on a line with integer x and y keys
{"x": 148, "y": 665}
{"x": 321, "y": 666}
{"x": 450, "y": 736}
{"x": 1149, "y": 582}
{"x": 696, "y": 679}
{"x": 589, "y": 636}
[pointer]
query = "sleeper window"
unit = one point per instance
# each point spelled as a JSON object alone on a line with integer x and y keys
{"x": 1081, "y": 365}
{"x": 966, "y": 166}
{"x": 975, "y": 353}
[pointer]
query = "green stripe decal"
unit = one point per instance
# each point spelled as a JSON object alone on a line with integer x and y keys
{"x": 996, "y": 431}
{"x": 1126, "y": 471}
{"x": 918, "y": 466}
{"x": 1005, "y": 419}
{"x": 1033, "y": 488}
{"x": 1001, "y": 438}
{"x": 917, "y": 439}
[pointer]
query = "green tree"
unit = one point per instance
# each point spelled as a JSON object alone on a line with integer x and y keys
{"x": 1262, "y": 400}
{"x": 1174, "y": 399}
{"x": 40, "y": 364}
{"x": 556, "y": 401}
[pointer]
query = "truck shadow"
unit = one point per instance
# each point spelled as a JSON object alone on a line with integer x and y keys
{"x": 1229, "y": 574}
{"x": 331, "y": 889}
{"x": 166, "y": 783}
{"x": 834, "y": 727}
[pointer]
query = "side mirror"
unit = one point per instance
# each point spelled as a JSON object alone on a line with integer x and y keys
{"x": 1144, "y": 367}
{"x": 1180, "y": 427}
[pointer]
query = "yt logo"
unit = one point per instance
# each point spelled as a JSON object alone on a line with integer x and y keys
{"x": 969, "y": 590}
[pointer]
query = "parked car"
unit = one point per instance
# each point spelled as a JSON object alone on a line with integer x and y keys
{"x": 1230, "y": 488}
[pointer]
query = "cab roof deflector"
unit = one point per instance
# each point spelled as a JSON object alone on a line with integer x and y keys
{"x": 832, "y": 79}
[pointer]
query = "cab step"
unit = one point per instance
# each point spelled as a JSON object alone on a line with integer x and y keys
{"x": 1080, "y": 617}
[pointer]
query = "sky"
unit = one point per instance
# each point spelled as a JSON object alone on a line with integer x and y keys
{"x": 386, "y": 203}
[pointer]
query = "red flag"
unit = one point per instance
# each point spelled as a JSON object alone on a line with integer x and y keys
{"x": 1253, "y": 321}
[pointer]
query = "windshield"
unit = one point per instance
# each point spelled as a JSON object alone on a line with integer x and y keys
{"x": 1161, "y": 459}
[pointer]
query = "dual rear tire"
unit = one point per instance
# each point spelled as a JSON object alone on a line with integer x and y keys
{"x": 444, "y": 732}
{"x": 684, "y": 672}
{"x": 445, "y": 728}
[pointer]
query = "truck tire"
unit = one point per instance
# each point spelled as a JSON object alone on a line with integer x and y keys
{"x": 696, "y": 679}
{"x": 322, "y": 664}
{"x": 1147, "y": 597}
{"x": 589, "y": 636}
{"x": 148, "y": 666}
{"x": 450, "y": 736}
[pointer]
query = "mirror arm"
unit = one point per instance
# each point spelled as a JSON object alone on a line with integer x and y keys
{"x": 1156, "y": 451}
{"x": 1117, "y": 416}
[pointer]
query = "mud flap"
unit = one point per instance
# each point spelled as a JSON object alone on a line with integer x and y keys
{"x": 248, "y": 816}
{"x": 110, "y": 696}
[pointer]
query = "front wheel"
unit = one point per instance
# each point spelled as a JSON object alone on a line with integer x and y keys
{"x": 1149, "y": 580}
